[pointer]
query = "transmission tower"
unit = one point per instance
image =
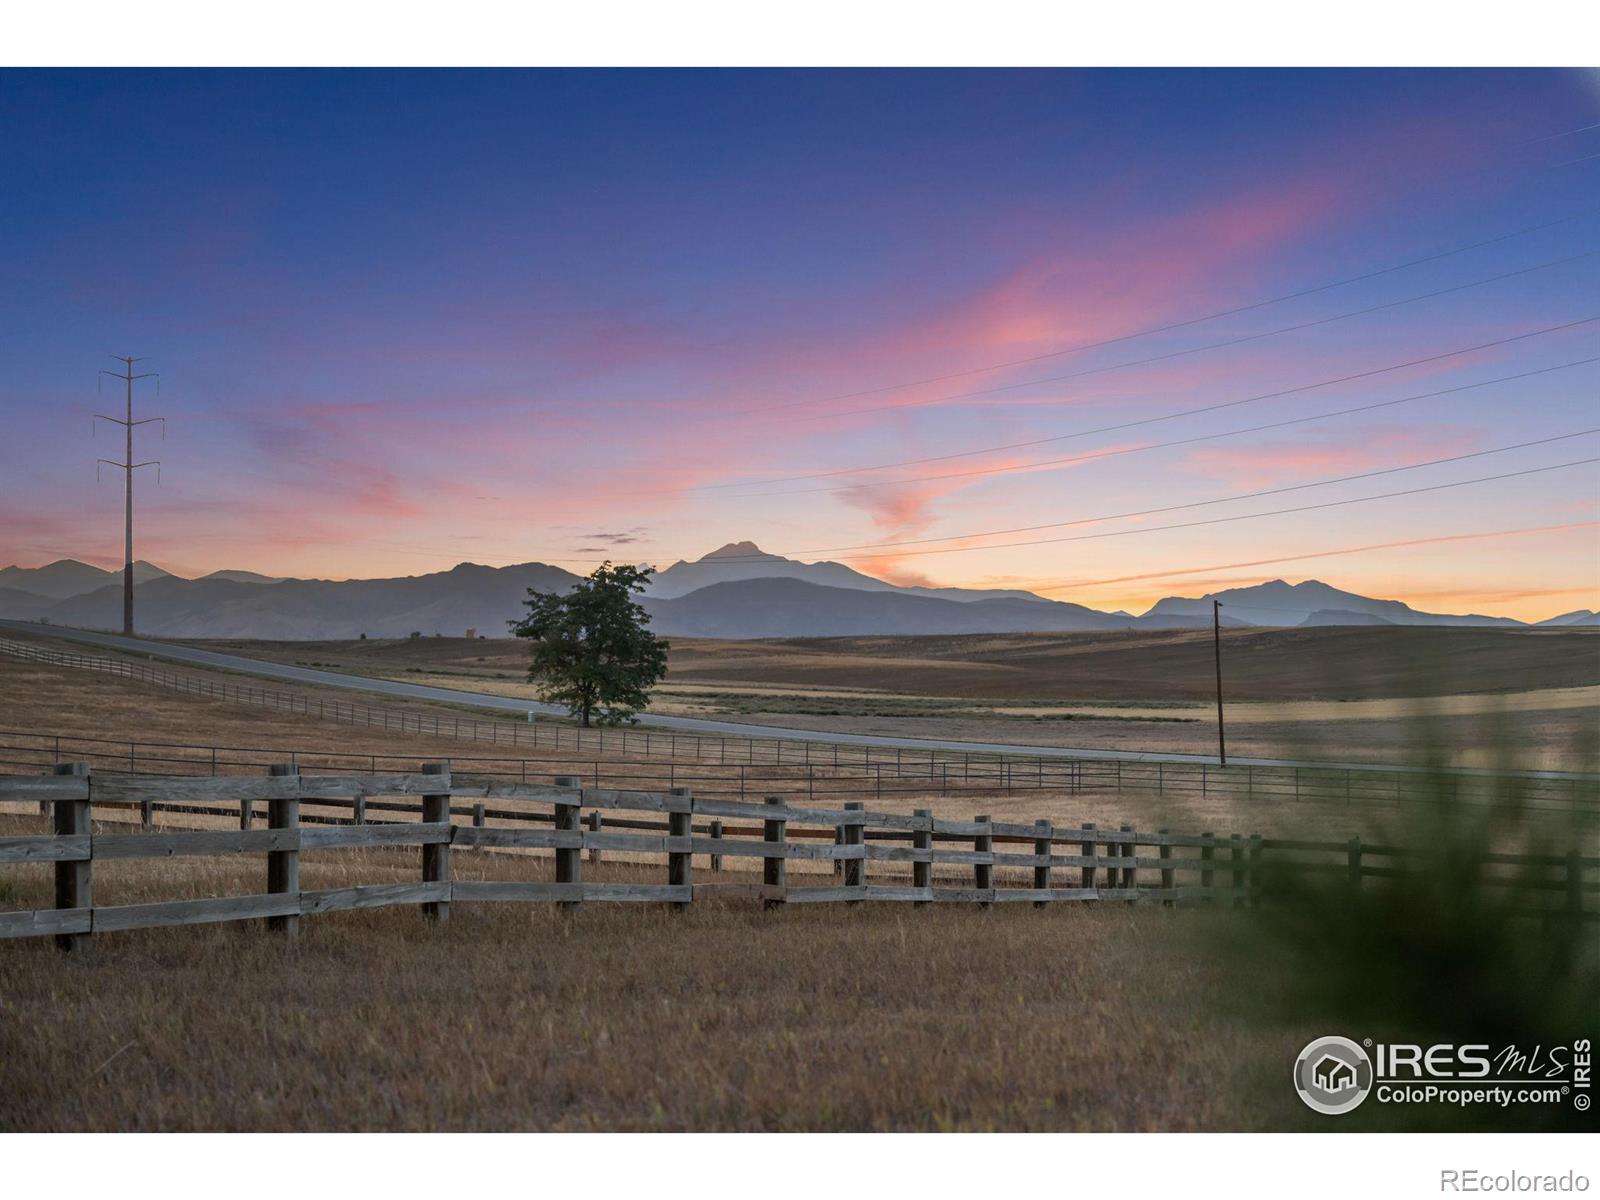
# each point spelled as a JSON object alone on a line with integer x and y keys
{"x": 127, "y": 466}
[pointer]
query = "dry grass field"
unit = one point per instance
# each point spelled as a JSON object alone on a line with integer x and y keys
{"x": 49, "y": 700}
{"x": 1331, "y": 693}
{"x": 1173, "y": 666}
{"x": 625, "y": 1017}
{"x": 633, "y": 1017}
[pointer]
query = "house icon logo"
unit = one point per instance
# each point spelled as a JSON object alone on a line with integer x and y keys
{"x": 1333, "y": 1075}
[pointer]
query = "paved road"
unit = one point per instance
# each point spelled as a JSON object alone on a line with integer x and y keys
{"x": 401, "y": 690}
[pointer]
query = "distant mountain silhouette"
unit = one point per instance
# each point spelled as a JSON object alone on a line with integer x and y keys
{"x": 1280, "y": 603}
{"x": 1580, "y": 616}
{"x": 466, "y": 597}
{"x": 746, "y": 560}
{"x": 737, "y": 592}
{"x": 243, "y": 577}
{"x": 786, "y": 607}
{"x": 69, "y": 577}
{"x": 1330, "y": 616}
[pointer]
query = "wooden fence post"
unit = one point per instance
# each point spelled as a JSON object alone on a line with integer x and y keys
{"x": 983, "y": 873}
{"x": 595, "y": 825}
{"x": 1207, "y": 853}
{"x": 436, "y": 855}
{"x": 775, "y": 868}
{"x": 855, "y": 834}
{"x": 922, "y": 839}
{"x": 1130, "y": 878}
{"x": 680, "y": 865}
{"x": 1352, "y": 856}
{"x": 716, "y": 836}
{"x": 1043, "y": 843}
{"x": 1167, "y": 873}
{"x": 358, "y": 812}
{"x": 147, "y": 813}
{"x": 1087, "y": 850}
{"x": 247, "y": 812}
{"x": 479, "y": 813}
{"x": 74, "y": 887}
{"x": 1255, "y": 870}
{"x": 1236, "y": 857}
{"x": 569, "y": 859}
{"x": 283, "y": 866}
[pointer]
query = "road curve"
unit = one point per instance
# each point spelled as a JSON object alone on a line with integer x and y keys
{"x": 400, "y": 690}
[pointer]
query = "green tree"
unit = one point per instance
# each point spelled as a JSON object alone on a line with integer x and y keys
{"x": 591, "y": 648}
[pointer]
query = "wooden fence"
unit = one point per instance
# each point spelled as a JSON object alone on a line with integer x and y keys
{"x": 879, "y": 856}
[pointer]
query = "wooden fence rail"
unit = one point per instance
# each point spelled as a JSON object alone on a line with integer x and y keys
{"x": 882, "y": 856}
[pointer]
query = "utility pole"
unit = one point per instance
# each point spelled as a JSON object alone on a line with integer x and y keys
{"x": 128, "y": 467}
{"x": 1216, "y": 644}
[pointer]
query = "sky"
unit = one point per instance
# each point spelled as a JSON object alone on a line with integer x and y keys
{"x": 406, "y": 319}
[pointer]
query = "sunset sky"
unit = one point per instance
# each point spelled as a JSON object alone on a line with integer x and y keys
{"x": 409, "y": 319}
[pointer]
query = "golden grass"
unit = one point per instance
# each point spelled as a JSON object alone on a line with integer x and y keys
{"x": 626, "y": 1017}
{"x": 62, "y": 700}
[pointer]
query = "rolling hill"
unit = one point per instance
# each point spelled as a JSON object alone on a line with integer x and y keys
{"x": 737, "y": 591}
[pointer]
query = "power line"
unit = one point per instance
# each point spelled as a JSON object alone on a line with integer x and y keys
{"x": 1188, "y": 441}
{"x": 1058, "y": 585}
{"x": 1187, "y": 322}
{"x": 1187, "y": 412}
{"x": 1279, "y": 512}
{"x": 879, "y": 547}
{"x": 1253, "y": 337}
{"x": 1215, "y": 500}
{"x": 127, "y": 466}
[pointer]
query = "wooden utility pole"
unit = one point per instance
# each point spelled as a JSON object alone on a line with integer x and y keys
{"x": 128, "y": 467}
{"x": 1216, "y": 645}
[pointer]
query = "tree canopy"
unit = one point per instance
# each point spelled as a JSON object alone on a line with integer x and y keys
{"x": 591, "y": 649}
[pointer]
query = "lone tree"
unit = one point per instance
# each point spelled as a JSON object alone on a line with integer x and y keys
{"x": 591, "y": 649}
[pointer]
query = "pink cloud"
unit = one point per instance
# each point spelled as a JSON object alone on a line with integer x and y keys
{"x": 1320, "y": 454}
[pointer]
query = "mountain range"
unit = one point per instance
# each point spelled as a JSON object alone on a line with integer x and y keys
{"x": 738, "y": 591}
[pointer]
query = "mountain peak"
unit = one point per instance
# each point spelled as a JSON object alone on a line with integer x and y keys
{"x": 740, "y": 550}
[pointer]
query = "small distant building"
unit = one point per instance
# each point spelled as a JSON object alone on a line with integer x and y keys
{"x": 472, "y": 635}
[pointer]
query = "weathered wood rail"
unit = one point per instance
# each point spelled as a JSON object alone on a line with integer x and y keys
{"x": 874, "y": 856}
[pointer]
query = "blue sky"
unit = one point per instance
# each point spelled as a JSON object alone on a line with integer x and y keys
{"x": 406, "y": 319}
